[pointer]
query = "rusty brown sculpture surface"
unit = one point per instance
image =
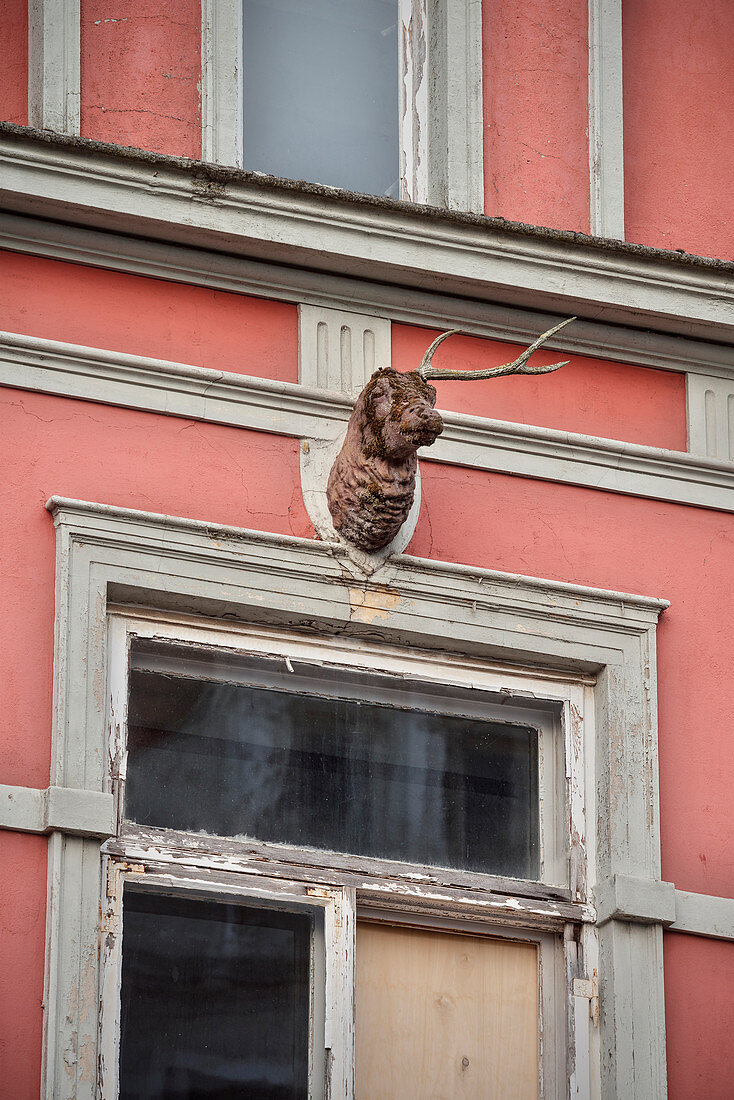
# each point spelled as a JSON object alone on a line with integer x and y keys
{"x": 372, "y": 482}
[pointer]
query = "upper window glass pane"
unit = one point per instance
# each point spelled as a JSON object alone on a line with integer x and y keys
{"x": 320, "y": 91}
{"x": 311, "y": 767}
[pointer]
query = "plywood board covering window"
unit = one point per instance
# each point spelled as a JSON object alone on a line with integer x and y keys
{"x": 445, "y": 1015}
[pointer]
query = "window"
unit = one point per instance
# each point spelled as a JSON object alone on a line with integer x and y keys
{"x": 585, "y": 655}
{"x": 320, "y": 92}
{"x": 376, "y": 96}
{"x": 276, "y": 793}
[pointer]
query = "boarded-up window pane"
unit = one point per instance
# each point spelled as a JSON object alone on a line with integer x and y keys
{"x": 445, "y": 1015}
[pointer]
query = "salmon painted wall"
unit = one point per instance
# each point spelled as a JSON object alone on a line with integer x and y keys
{"x": 151, "y": 317}
{"x": 699, "y": 1014}
{"x": 678, "y": 110}
{"x": 14, "y": 50}
{"x": 141, "y": 74}
{"x": 591, "y": 396}
{"x": 535, "y": 77}
{"x": 22, "y": 948}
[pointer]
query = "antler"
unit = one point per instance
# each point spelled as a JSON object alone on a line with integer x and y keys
{"x": 517, "y": 366}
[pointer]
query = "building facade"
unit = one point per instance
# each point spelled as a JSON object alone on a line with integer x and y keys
{"x": 280, "y": 817}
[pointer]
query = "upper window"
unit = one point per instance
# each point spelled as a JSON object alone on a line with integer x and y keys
{"x": 382, "y": 97}
{"x": 356, "y": 763}
{"x": 320, "y": 92}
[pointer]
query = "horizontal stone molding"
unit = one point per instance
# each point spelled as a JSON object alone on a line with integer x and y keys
{"x": 88, "y": 813}
{"x": 704, "y": 915}
{"x": 644, "y": 901}
{"x": 90, "y": 184}
{"x": 220, "y": 397}
{"x": 241, "y": 275}
{"x": 62, "y": 809}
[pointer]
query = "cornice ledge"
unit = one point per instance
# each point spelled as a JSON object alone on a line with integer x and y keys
{"x": 471, "y": 586}
{"x": 93, "y": 184}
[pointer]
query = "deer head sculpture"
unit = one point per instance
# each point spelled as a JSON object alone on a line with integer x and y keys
{"x": 372, "y": 482}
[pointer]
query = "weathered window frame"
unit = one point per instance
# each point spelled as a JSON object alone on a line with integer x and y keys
{"x": 440, "y": 97}
{"x": 331, "y": 1028}
{"x": 502, "y": 695}
{"x": 480, "y": 904}
{"x": 109, "y": 556}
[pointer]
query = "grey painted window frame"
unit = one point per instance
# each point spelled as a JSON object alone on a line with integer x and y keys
{"x": 333, "y": 945}
{"x": 192, "y": 568}
{"x": 441, "y": 123}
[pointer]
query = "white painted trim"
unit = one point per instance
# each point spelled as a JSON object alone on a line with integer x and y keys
{"x": 54, "y": 65}
{"x": 220, "y": 397}
{"x": 194, "y": 568}
{"x": 456, "y": 120}
{"x": 703, "y": 915}
{"x": 221, "y": 72}
{"x": 340, "y": 350}
{"x": 415, "y": 65}
{"x": 332, "y": 1034}
{"x": 624, "y": 898}
{"x": 380, "y": 240}
{"x": 606, "y": 133}
{"x": 238, "y": 275}
{"x": 440, "y": 97}
{"x": 710, "y": 416}
{"x": 77, "y": 812}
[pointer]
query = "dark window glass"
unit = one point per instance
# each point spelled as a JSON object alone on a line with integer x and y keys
{"x": 215, "y": 1001}
{"x": 333, "y": 773}
{"x": 320, "y": 91}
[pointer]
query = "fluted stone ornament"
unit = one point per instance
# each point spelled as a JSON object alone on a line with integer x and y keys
{"x": 372, "y": 482}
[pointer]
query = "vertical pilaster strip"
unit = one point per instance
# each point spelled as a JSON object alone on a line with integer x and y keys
{"x": 631, "y": 996}
{"x": 606, "y": 135}
{"x": 54, "y": 65}
{"x": 221, "y": 79}
{"x": 72, "y": 963}
{"x": 456, "y": 106}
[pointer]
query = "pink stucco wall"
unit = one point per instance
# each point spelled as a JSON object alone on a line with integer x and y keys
{"x": 22, "y": 946}
{"x": 678, "y": 109}
{"x": 14, "y": 43}
{"x": 151, "y": 317}
{"x": 536, "y": 159}
{"x": 141, "y": 74}
{"x": 699, "y": 1015}
{"x": 591, "y": 396}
